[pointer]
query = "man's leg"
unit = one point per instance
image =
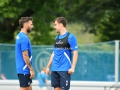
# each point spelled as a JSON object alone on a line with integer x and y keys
{"x": 57, "y": 88}
{"x": 30, "y": 87}
{"x": 26, "y": 88}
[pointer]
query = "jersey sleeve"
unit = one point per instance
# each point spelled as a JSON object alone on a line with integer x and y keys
{"x": 24, "y": 44}
{"x": 73, "y": 42}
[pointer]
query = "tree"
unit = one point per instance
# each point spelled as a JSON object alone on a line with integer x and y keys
{"x": 42, "y": 11}
{"x": 108, "y": 27}
{"x": 100, "y": 17}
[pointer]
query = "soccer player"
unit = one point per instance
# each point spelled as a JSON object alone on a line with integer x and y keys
{"x": 23, "y": 54}
{"x": 62, "y": 60}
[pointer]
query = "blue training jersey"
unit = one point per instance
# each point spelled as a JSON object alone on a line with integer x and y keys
{"x": 62, "y": 59}
{"x": 42, "y": 77}
{"x": 22, "y": 44}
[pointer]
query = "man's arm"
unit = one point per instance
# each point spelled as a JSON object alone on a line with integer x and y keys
{"x": 74, "y": 47}
{"x": 75, "y": 57}
{"x": 27, "y": 61}
{"x": 49, "y": 64}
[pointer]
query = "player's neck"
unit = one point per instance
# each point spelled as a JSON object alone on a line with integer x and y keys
{"x": 63, "y": 31}
{"x": 24, "y": 31}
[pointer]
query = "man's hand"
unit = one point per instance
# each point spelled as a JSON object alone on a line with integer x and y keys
{"x": 71, "y": 71}
{"x": 47, "y": 71}
{"x": 32, "y": 74}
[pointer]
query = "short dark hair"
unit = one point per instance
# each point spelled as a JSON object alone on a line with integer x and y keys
{"x": 24, "y": 20}
{"x": 61, "y": 20}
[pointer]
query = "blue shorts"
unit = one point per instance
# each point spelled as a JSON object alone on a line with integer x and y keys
{"x": 24, "y": 80}
{"x": 60, "y": 79}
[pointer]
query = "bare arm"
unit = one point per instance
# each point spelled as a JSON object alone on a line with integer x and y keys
{"x": 75, "y": 57}
{"x": 27, "y": 59}
{"x": 49, "y": 64}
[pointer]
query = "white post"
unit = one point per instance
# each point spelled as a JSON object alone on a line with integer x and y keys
{"x": 116, "y": 61}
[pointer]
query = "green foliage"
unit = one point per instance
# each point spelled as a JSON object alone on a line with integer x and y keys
{"x": 108, "y": 28}
{"x": 43, "y": 12}
{"x": 78, "y": 30}
{"x": 98, "y": 18}
{"x": 101, "y": 17}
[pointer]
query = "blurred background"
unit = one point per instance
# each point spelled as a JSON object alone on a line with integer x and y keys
{"x": 90, "y": 20}
{"x": 95, "y": 23}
